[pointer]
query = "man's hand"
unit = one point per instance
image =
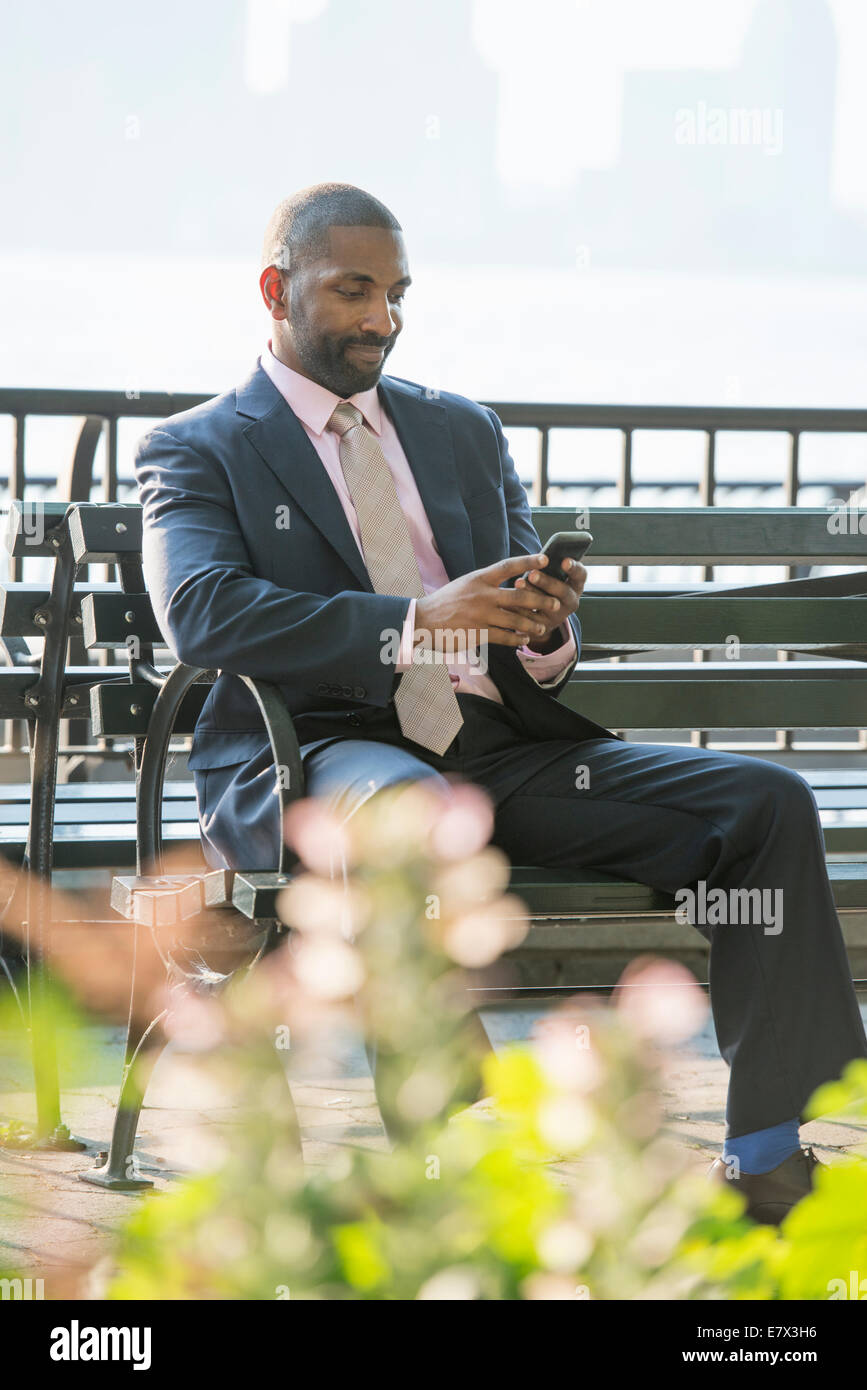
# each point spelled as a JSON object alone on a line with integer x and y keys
{"x": 512, "y": 617}
{"x": 568, "y": 596}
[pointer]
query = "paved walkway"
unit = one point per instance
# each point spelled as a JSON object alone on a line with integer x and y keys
{"x": 65, "y": 1226}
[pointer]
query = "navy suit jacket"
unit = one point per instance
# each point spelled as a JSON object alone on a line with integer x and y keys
{"x": 252, "y": 567}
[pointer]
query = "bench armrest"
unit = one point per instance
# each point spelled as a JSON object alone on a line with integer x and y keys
{"x": 284, "y": 747}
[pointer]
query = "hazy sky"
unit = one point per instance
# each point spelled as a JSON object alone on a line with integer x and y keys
{"x": 143, "y": 148}
{"x": 561, "y": 64}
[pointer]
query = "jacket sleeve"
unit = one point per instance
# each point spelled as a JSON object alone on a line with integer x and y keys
{"x": 215, "y": 612}
{"x": 523, "y": 537}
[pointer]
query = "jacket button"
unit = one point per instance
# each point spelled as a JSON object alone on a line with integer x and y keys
{"x": 354, "y": 719}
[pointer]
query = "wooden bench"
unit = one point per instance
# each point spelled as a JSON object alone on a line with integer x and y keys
{"x": 820, "y": 621}
{"x": 720, "y": 696}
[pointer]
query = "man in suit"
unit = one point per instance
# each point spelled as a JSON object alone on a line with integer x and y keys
{"x": 322, "y": 522}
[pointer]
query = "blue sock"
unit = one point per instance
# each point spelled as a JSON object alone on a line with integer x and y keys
{"x": 764, "y": 1149}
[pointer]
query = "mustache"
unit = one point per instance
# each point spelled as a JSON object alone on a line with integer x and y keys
{"x": 389, "y": 342}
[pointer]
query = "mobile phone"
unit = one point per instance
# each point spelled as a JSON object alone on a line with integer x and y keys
{"x": 565, "y": 545}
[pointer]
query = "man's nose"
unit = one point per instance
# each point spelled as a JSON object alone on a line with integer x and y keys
{"x": 382, "y": 319}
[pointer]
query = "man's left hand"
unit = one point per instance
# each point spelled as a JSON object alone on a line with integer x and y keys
{"x": 567, "y": 595}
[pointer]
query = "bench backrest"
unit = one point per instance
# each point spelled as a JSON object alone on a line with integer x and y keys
{"x": 737, "y": 692}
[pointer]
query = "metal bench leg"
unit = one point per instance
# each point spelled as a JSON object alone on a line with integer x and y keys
{"x": 44, "y": 701}
{"x": 145, "y": 1041}
{"x": 143, "y": 1051}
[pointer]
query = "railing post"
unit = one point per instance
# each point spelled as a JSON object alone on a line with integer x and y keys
{"x": 626, "y": 485}
{"x": 19, "y": 483}
{"x": 706, "y": 494}
{"x": 793, "y": 481}
{"x": 783, "y": 739}
{"x": 110, "y": 480}
{"x": 542, "y": 468}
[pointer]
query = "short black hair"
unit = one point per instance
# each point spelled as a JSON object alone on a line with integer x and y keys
{"x": 297, "y": 230}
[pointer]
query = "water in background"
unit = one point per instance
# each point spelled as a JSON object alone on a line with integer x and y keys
{"x": 488, "y": 332}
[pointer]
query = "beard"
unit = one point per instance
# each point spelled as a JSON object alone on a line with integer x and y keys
{"x": 325, "y": 360}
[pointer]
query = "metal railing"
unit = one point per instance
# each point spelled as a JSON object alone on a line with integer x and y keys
{"x": 707, "y": 420}
{"x": 102, "y": 411}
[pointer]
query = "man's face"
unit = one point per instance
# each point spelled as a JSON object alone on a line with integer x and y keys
{"x": 345, "y": 310}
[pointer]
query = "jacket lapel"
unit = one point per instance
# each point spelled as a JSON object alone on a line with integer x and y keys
{"x": 423, "y": 430}
{"x": 281, "y": 441}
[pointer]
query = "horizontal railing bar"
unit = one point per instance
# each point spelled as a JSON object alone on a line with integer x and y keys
{"x": 681, "y": 672}
{"x": 775, "y": 419}
{"x": 109, "y": 404}
{"x": 837, "y": 485}
{"x": 22, "y": 401}
{"x": 693, "y": 485}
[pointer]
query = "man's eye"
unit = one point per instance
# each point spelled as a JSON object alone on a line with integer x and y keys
{"x": 357, "y": 294}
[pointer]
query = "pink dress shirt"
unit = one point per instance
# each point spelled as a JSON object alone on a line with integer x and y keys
{"x": 314, "y": 405}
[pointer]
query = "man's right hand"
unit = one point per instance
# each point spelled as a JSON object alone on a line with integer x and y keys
{"x": 475, "y": 603}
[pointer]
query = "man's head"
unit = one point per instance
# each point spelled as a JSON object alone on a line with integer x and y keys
{"x": 334, "y": 272}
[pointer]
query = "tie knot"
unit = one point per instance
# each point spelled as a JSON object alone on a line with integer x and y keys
{"x": 344, "y": 417}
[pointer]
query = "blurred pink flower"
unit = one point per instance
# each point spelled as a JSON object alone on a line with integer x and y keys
{"x": 328, "y": 967}
{"x": 458, "y": 1282}
{"x": 661, "y": 1000}
{"x": 463, "y": 883}
{"x": 465, "y": 825}
{"x": 196, "y": 1024}
{"x": 480, "y": 936}
{"x": 552, "y": 1287}
{"x": 566, "y": 1123}
{"x": 564, "y": 1246}
{"x": 314, "y": 904}
{"x": 563, "y": 1043}
{"x": 318, "y": 836}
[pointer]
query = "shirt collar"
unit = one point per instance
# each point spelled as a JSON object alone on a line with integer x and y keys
{"x": 315, "y": 404}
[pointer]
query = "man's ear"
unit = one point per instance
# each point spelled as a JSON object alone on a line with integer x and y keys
{"x": 273, "y": 293}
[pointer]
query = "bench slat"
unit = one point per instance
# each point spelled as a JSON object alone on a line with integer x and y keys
{"x": 20, "y": 602}
{"x": 719, "y": 703}
{"x": 109, "y": 620}
{"x": 101, "y": 846}
{"x": 17, "y": 682}
{"x": 710, "y": 622}
{"x": 108, "y": 812}
{"x": 101, "y": 533}
{"x": 550, "y": 893}
{"x": 29, "y": 527}
{"x": 126, "y": 709}
{"x": 76, "y": 792}
{"x": 118, "y": 832}
{"x": 734, "y": 671}
{"x": 707, "y": 535}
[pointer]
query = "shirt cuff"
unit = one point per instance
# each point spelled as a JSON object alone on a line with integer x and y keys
{"x": 404, "y": 655}
{"x": 548, "y": 668}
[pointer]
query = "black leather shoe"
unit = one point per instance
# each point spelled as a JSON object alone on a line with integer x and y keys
{"x": 771, "y": 1196}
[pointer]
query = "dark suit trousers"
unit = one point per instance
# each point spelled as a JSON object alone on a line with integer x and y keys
{"x": 784, "y": 1008}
